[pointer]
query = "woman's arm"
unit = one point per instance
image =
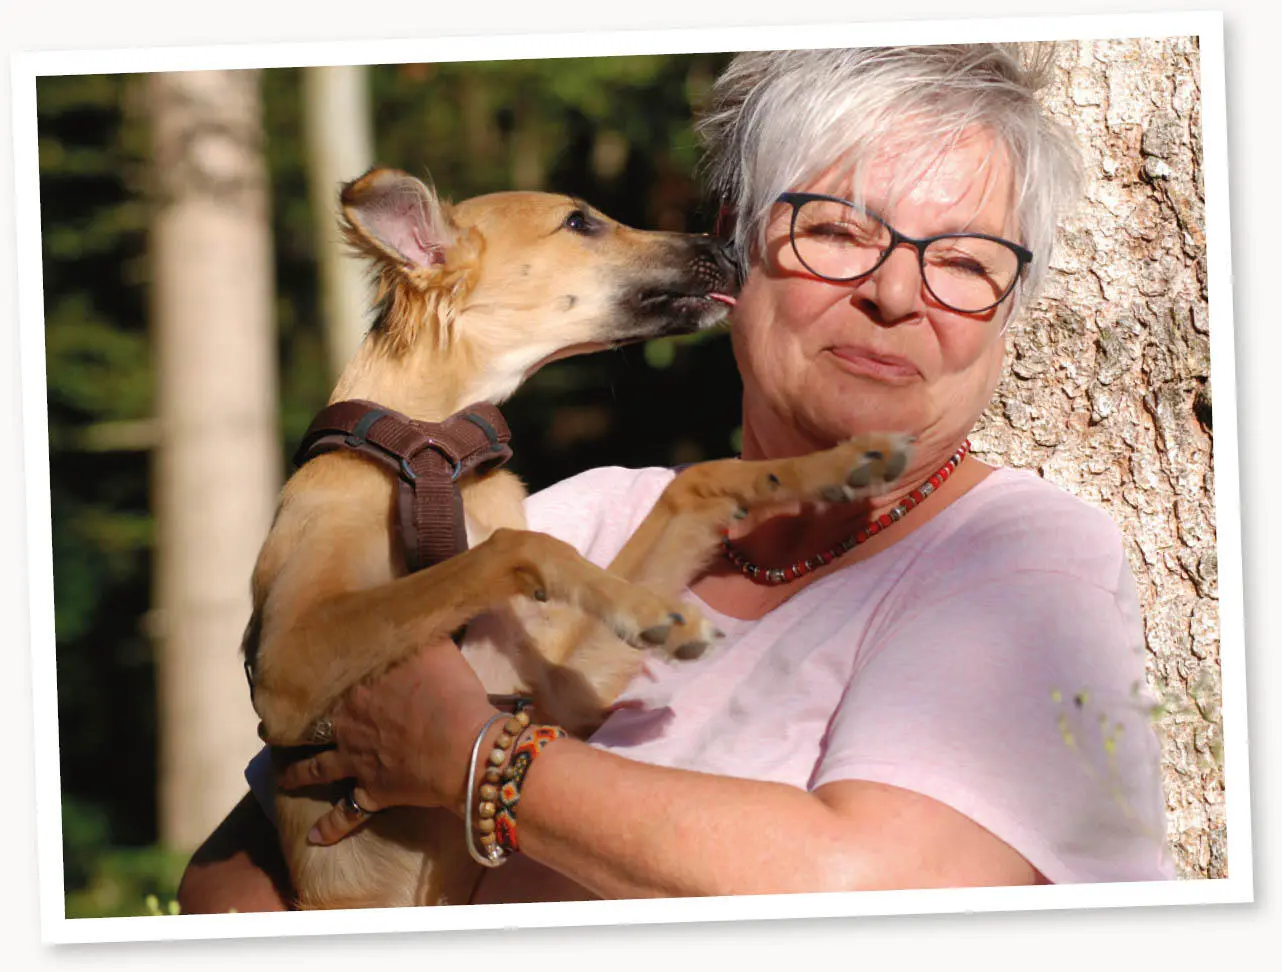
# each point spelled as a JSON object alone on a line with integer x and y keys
{"x": 239, "y": 867}
{"x": 626, "y": 829}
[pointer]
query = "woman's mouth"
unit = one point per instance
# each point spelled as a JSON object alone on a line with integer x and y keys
{"x": 874, "y": 364}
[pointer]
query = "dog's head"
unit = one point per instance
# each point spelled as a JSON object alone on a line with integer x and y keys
{"x": 510, "y": 281}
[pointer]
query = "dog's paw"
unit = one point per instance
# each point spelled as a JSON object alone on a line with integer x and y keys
{"x": 284, "y": 724}
{"x": 693, "y": 637}
{"x": 680, "y": 631}
{"x": 863, "y": 466}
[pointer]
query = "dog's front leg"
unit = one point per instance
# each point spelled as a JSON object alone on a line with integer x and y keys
{"x": 310, "y": 655}
{"x": 681, "y": 534}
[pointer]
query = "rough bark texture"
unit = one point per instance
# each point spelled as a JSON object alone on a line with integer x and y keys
{"x": 1109, "y": 391}
{"x": 217, "y": 465}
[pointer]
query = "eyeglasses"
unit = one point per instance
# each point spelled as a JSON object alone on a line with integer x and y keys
{"x": 838, "y": 241}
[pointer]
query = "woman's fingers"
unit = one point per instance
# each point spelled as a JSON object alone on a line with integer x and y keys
{"x": 405, "y": 738}
{"x": 349, "y": 813}
{"x": 325, "y": 767}
{"x": 342, "y": 819}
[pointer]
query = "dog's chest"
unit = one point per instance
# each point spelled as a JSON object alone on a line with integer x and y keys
{"x": 492, "y": 502}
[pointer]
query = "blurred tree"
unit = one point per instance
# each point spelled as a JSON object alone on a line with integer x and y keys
{"x": 216, "y": 466}
{"x": 339, "y": 148}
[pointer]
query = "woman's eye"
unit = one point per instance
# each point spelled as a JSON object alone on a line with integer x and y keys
{"x": 839, "y": 233}
{"x": 958, "y": 263}
{"x": 577, "y": 222}
{"x": 825, "y": 231}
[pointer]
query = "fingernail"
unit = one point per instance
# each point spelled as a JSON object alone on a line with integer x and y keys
{"x": 314, "y": 836}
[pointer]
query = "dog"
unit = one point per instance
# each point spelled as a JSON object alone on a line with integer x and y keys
{"x": 473, "y": 299}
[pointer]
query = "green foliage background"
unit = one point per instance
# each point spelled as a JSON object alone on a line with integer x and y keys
{"x": 616, "y": 131}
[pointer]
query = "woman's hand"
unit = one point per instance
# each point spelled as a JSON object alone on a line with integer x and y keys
{"x": 405, "y": 738}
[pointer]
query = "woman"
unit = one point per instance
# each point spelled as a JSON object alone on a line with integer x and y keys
{"x": 940, "y": 687}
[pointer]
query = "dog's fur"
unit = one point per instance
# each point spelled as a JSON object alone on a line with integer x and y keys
{"x": 473, "y": 299}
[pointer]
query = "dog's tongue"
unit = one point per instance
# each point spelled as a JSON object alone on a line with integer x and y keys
{"x": 724, "y": 298}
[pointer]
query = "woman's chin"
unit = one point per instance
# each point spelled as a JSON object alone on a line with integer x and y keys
{"x": 870, "y": 413}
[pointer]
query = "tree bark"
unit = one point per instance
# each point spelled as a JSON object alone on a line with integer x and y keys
{"x": 1109, "y": 391}
{"x": 217, "y": 465}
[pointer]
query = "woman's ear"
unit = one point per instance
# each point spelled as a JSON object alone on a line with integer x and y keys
{"x": 725, "y": 224}
{"x": 724, "y": 230}
{"x": 395, "y": 218}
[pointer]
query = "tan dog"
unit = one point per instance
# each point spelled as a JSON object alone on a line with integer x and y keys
{"x": 474, "y": 298}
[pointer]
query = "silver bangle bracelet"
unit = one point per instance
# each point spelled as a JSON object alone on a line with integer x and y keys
{"x": 496, "y": 856}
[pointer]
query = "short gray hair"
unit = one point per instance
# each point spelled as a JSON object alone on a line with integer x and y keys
{"x": 776, "y": 120}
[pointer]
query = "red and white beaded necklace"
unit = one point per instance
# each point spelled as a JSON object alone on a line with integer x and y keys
{"x": 781, "y": 575}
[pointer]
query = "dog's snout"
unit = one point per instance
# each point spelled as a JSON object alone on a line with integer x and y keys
{"x": 716, "y": 258}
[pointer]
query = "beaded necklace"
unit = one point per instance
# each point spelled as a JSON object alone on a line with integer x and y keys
{"x": 781, "y": 575}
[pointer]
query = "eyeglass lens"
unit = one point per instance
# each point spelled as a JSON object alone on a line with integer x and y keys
{"x": 841, "y": 242}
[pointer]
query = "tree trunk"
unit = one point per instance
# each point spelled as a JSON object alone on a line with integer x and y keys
{"x": 1109, "y": 394}
{"x": 340, "y": 147}
{"x": 217, "y": 463}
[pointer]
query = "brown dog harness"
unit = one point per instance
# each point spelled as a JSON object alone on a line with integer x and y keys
{"x": 428, "y": 458}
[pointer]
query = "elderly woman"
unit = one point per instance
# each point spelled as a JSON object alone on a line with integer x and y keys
{"x": 942, "y": 686}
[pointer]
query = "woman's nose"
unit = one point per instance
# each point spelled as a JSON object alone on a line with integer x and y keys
{"x": 896, "y": 286}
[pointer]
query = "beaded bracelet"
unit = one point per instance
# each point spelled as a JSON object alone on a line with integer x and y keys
{"x": 490, "y": 854}
{"x": 513, "y": 775}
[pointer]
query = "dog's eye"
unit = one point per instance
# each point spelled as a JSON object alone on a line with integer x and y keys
{"x": 578, "y": 222}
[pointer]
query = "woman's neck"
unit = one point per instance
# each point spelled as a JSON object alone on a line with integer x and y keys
{"x": 775, "y": 440}
{"x": 783, "y": 539}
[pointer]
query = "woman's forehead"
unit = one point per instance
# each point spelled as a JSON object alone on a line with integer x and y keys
{"x": 968, "y": 185}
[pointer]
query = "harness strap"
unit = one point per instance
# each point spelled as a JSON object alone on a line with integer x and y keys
{"x": 428, "y": 459}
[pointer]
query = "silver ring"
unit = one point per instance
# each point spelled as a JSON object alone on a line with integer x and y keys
{"x": 351, "y": 807}
{"x": 323, "y": 731}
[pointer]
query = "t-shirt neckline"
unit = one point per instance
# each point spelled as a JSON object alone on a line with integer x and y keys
{"x": 733, "y": 626}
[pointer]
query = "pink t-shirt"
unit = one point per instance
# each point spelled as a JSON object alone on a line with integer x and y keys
{"x": 992, "y": 660}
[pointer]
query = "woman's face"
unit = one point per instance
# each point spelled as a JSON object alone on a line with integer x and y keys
{"x": 824, "y": 361}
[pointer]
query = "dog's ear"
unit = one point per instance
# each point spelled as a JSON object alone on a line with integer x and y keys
{"x": 396, "y": 218}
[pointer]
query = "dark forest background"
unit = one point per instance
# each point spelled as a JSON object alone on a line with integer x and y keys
{"x": 615, "y": 131}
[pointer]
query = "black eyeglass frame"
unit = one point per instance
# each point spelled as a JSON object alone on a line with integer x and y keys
{"x": 798, "y": 199}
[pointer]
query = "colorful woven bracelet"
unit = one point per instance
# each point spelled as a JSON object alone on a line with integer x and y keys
{"x": 513, "y": 776}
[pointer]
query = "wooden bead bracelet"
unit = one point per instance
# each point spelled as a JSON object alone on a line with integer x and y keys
{"x": 489, "y": 854}
{"x": 500, "y": 786}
